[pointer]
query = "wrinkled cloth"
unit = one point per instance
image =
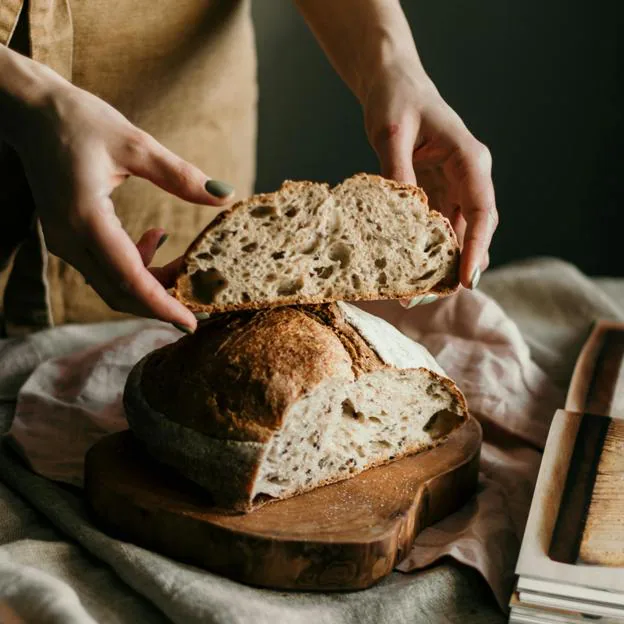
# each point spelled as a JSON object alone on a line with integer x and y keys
{"x": 74, "y": 399}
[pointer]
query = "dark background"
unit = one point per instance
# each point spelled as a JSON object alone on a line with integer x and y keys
{"x": 540, "y": 83}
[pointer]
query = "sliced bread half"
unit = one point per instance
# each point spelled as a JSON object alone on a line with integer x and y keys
{"x": 368, "y": 238}
{"x": 259, "y": 406}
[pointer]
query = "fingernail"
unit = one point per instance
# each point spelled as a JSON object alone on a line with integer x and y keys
{"x": 162, "y": 241}
{"x": 183, "y": 328}
{"x": 476, "y": 276}
{"x": 201, "y": 316}
{"x": 218, "y": 188}
{"x": 413, "y": 302}
{"x": 421, "y": 300}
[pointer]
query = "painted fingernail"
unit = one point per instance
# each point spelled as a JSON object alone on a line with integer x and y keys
{"x": 183, "y": 328}
{"x": 218, "y": 188}
{"x": 202, "y": 316}
{"x": 476, "y": 276}
{"x": 422, "y": 300}
{"x": 162, "y": 241}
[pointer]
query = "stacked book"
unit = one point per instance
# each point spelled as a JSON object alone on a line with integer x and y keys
{"x": 571, "y": 563}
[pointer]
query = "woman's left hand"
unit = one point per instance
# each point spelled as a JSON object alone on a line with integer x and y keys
{"x": 420, "y": 139}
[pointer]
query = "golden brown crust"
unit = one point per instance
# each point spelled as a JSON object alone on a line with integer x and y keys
{"x": 449, "y": 284}
{"x": 238, "y": 375}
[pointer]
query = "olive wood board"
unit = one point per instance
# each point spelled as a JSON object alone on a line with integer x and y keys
{"x": 343, "y": 536}
{"x": 574, "y": 533}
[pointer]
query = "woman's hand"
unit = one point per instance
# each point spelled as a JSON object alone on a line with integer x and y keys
{"x": 76, "y": 150}
{"x": 420, "y": 139}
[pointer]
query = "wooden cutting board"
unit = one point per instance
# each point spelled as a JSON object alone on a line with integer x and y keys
{"x": 347, "y": 535}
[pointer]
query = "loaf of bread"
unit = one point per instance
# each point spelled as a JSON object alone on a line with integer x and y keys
{"x": 264, "y": 405}
{"x": 368, "y": 238}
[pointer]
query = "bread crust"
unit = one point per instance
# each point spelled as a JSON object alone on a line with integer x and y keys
{"x": 209, "y": 404}
{"x": 277, "y": 356}
{"x": 449, "y": 284}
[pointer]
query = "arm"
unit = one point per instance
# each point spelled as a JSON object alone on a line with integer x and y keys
{"x": 75, "y": 150}
{"x": 415, "y": 133}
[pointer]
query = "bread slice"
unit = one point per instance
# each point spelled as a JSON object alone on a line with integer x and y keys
{"x": 368, "y": 238}
{"x": 260, "y": 406}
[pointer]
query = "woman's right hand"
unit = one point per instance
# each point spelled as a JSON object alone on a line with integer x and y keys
{"x": 76, "y": 149}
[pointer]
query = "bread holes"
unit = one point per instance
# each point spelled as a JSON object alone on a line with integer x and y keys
{"x": 324, "y": 272}
{"x": 290, "y": 287}
{"x": 246, "y": 298}
{"x": 262, "y": 212}
{"x": 356, "y": 281}
{"x": 215, "y": 249}
{"x": 278, "y": 255}
{"x": 436, "y": 238}
{"x": 207, "y": 285}
{"x": 250, "y": 247}
{"x": 441, "y": 423}
{"x": 276, "y": 480}
{"x": 380, "y": 263}
{"x": 426, "y": 275}
{"x": 271, "y": 277}
{"x": 384, "y": 444}
{"x": 261, "y": 499}
{"x": 435, "y": 251}
{"x": 374, "y": 420}
{"x": 349, "y": 411}
{"x": 204, "y": 255}
{"x": 382, "y": 279}
{"x": 291, "y": 212}
{"x": 311, "y": 246}
{"x": 336, "y": 224}
{"x": 341, "y": 253}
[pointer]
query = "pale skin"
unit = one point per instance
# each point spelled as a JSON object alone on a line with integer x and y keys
{"x": 76, "y": 149}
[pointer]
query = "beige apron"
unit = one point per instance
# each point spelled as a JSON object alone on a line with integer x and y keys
{"x": 185, "y": 72}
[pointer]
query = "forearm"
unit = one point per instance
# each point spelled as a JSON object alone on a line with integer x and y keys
{"x": 361, "y": 38}
{"x": 24, "y": 85}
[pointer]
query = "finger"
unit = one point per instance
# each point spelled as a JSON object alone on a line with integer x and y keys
{"x": 117, "y": 255}
{"x": 459, "y": 226}
{"x": 167, "y": 274}
{"x": 394, "y": 145}
{"x": 473, "y": 175}
{"x": 149, "y": 243}
{"x": 486, "y": 262}
{"x": 147, "y": 158}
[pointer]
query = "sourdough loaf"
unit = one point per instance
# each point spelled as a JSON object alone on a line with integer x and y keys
{"x": 368, "y": 238}
{"x": 263, "y": 405}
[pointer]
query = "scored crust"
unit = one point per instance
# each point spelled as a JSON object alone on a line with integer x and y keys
{"x": 448, "y": 284}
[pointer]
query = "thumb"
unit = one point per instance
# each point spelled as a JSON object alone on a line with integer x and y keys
{"x": 156, "y": 163}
